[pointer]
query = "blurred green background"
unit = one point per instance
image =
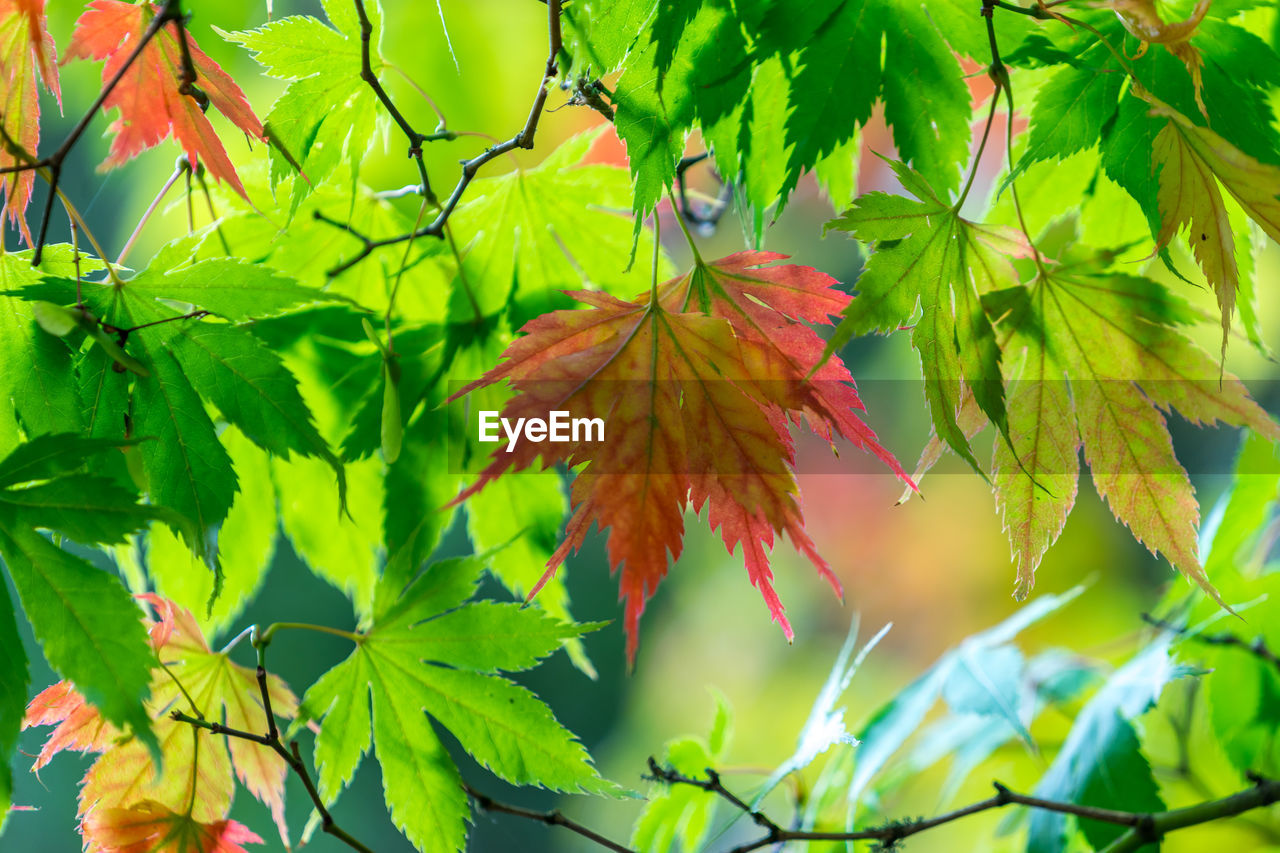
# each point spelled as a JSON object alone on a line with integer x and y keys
{"x": 938, "y": 569}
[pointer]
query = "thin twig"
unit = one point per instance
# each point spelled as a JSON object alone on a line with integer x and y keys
{"x": 1257, "y": 647}
{"x": 290, "y": 754}
{"x": 367, "y": 74}
{"x": 523, "y": 139}
{"x": 551, "y": 818}
{"x": 1143, "y": 828}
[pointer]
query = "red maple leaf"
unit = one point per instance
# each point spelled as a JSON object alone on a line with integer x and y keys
{"x": 696, "y": 383}
{"x": 26, "y": 52}
{"x": 150, "y": 95}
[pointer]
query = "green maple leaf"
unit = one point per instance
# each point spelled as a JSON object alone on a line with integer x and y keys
{"x": 684, "y": 54}
{"x": 943, "y": 263}
{"x": 188, "y": 361}
{"x": 87, "y": 625}
{"x": 822, "y": 65}
{"x": 1102, "y": 362}
{"x": 327, "y": 110}
{"x": 1072, "y": 108}
{"x": 14, "y": 681}
{"x": 525, "y": 234}
{"x": 427, "y": 652}
{"x": 246, "y": 544}
{"x": 35, "y": 368}
{"x": 599, "y": 33}
{"x": 1102, "y": 749}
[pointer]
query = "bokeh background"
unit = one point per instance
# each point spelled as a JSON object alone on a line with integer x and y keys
{"x": 938, "y": 569}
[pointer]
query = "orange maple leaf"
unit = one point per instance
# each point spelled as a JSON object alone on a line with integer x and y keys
{"x": 25, "y": 49}
{"x": 695, "y": 382}
{"x": 150, "y": 95}
{"x": 196, "y": 786}
{"x": 79, "y": 725}
{"x": 150, "y": 827}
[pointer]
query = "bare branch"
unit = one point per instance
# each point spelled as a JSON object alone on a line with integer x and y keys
{"x": 523, "y": 139}
{"x": 1257, "y": 647}
{"x": 1143, "y": 828}
{"x": 551, "y": 818}
{"x": 290, "y": 754}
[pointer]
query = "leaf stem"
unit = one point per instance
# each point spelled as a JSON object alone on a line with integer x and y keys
{"x": 1000, "y": 77}
{"x": 693, "y": 247}
{"x": 982, "y": 146}
{"x": 269, "y": 634}
{"x": 183, "y": 165}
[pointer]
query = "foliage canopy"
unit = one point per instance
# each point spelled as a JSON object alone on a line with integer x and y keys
{"x": 314, "y": 357}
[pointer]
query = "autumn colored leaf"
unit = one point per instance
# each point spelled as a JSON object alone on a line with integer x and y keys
{"x": 695, "y": 382}
{"x": 1102, "y": 363}
{"x": 1193, "y": 161}
{"x": 150, "y": 827}
{"x": 153, "y": 99}
{"x": 121, "y": 793}
{"x": 1141, "y": 18}
{"x": 26, "y": 51}
{"x": 79, "y": 726}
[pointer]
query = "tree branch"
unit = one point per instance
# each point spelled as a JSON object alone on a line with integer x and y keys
{"x": 1258, "y": 647}
{"x": 1142, "y": 828}
{"x": 367, "y": 75}
{"x": 523, "y": 139}
{"x": 551, "y": 818}
{"x": 291, "y": 755}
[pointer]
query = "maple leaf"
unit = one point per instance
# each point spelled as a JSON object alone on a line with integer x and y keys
{"x": 79, "y": 725}
{"x": 122, "y": 793}
{"x": 150, "y": 827}
{"x": 322, "y": 66}
{"x": 86, "y": 623}
{"x": 427, "y": 650}
{"x": 1141, "y": 18}
{"x": 1102, "y": 362}
{"x": 25, "y": 49}
{"x": 153, "y": 100}
{"x": 943, "y": 263}
{"x": 188, "y": 469}
{"x": 1192, "y": 161}
{"x": 695, "y": 381}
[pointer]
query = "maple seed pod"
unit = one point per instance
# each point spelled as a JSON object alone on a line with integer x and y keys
{"x": 392, "y": 426}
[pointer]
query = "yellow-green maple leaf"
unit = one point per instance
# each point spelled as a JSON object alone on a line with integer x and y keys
{"x": 1192, "y": 162}
{"x": 196, "y": 784}
{"x": 1103, "y": 363}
